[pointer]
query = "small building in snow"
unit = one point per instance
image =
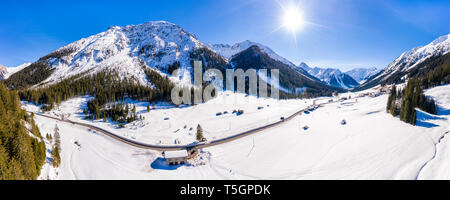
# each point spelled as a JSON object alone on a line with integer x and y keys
{"x": 176, "y": 157}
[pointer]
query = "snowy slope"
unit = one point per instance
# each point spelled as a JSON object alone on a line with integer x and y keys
{"x": 372, "y": 145}
{"x": 158, "y": 44}
{"x": 8, "y": 71}
{"x": 362, "y": 74}
{"x": 414, "y": 56}
{"x": 439, "y": 166}
{"x": 229, "y": 51}
{"x": 331, "y": 76}
{"x": 410, "y": 59}
{"x": 3, "y": 72}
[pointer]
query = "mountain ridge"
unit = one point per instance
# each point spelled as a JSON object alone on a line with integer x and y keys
{"x": 331, "y": 76}
{"x": 403, "y": 67}
{"x": 161, "y": 46}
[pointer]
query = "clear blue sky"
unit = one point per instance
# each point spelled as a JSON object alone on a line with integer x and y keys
{"x": 345, "y": 34}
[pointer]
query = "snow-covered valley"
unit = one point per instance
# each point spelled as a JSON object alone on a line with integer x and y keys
{"x": 372, "y": 145}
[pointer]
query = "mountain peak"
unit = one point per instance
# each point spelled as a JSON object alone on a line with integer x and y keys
{"x": 229, "y": 51}
{"x": 407, "y": 61}
{"x": 330, "y": 76}
{"x": 441, "y": 39}
{"x": 157, "y": 44}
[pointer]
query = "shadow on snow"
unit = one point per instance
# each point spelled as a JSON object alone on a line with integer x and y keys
{"x": 423, "y": 117}
{"x": 160, "y": 163}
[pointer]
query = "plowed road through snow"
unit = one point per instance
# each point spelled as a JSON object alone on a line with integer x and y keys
{"x": 179, "y": 147}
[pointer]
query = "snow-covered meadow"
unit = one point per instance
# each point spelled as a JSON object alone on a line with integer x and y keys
{"x": 372, "y": 145}
{"x": 166, "y": 124}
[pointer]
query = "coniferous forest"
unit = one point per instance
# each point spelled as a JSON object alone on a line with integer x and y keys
{"x": 435, "y": 72}
{"x": 405, "y": 102}
{"x": 109, "y": 90}
{"x": 106, "y": 87}
{"x": 22, "y": 151}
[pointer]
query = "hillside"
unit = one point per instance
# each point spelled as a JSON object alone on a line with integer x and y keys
{"x": 131, "y": 52}
{"x": 291, "y": 80}
{"x": 22, "y": 149}
{"x": 411, "y": 63}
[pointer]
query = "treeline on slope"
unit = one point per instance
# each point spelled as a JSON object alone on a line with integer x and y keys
{"x": 21, "y": 154}
{"x": 37, "y": 71}
{"x": 437, "y": 73}
{"x": 29, "y": 76}
{"x": 432, "y": 72}
{"x": 403, "y": 102}
{"x": 109, "y": 90}
{"x": 289, "y": 78}
{"x": 211, "y": 60}
{"x": 105, "y": 86}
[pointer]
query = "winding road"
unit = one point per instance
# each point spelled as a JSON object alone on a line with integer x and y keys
{"x": 179, "y": 147}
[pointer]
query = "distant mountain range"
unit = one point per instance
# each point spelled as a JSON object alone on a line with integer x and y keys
{"x": 337, "y": 78}
{"x": 361, "y": 75}
{"x": 330, "y": 76}
{"x": 5, "y": 72}
{"x": 163, "y": 47}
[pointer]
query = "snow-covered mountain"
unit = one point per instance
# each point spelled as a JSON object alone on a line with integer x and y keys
{"x": 3, "y": 72}
{"x": 404, "y": 66}
{"x": 331, "y": 76}
{"x": 6, "y": 72}
{"x": 160, "y": 46}
{"x": 228, "y": 51}
{"x": 362, "y": 74}
{"x": 291, "y": 80}
{"x": 157, "y": 44}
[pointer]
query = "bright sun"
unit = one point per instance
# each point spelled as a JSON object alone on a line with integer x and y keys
{"x": 292, "y": 19}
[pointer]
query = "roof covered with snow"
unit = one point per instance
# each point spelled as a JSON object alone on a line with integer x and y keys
{"x": 175, "y": 154}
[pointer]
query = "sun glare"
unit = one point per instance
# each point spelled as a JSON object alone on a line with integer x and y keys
{"x": 292, "y": 19}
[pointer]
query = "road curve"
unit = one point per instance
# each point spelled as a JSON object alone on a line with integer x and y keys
{"x": 178, "y": 147}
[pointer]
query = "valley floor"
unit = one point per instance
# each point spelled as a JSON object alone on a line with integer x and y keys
{"x": 372, "y": 145}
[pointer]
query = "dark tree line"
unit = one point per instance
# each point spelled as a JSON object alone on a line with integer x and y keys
{"x": 430, "y": 73}
{"x": 439, "y": 75}
{"x": 106, "y": 87}
{"x": 37, "y": 71}
{"x": 405, "y": 102}
{"x": 29, "y": 76}
{"x": 21, "y": 155}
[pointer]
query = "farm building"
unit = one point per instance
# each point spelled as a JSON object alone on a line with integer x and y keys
{"x": 176, "y": 157}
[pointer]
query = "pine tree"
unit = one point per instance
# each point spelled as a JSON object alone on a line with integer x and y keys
{"x": 57, "y": 137}
{"x": 56, "y": 158}
{"x": 392, "y": 99}
{"x": 199, "y": 133}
